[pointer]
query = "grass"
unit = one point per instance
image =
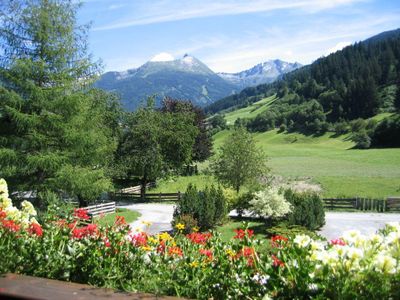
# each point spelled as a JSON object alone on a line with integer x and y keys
{"x": 180, "y": 183}
{"x": 109, "y": 219}
{"x": 250, "y": 111}
{"x": 227, "y": 230}
{"x": 327, "y": 160}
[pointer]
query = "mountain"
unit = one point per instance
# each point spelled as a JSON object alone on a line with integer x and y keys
{"x": 186, "y": 78}
{"x": 358, "y": 81}
{"x": 265, "y": 72}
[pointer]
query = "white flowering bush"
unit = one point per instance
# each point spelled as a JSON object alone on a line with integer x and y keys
{"x": 23, "y": 217}
{"x": 269, "y": 203}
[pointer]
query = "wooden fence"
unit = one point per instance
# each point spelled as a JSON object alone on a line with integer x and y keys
{"x": 363, "y": 204}
{"x": 136, "y": 189}
{"x": 149, "y": 197}
{"x": 99, "y": 209}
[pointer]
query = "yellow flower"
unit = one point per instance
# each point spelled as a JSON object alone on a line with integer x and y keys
{"x": 180, "y": 226}
{"x": 3, "y": 189}
{"x": 152, "y": 240}
{"x": 165, "y": 236}
{"x": 195, "y": 229}
{"x": 230, "y": 252}
{"x": 194, "y": 264}
{"x": 5, "y": 203}
{"x": 146, "y": 248}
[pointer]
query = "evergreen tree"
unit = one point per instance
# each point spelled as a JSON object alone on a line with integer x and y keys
{"x": 397, "y": 99}
{"x": 54, "y": 127}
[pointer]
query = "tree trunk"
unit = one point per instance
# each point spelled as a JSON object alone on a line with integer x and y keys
{"x": 143, "y": 188}
{"x": 82, "y": 202}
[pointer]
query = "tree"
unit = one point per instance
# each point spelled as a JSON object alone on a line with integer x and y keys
{"x": 156, "y": 143}
{"x": 239, "y": 161}
{"x": 397, "y": 99}
{"x": 53, "y": 124}
{"x": 203, "y": 145}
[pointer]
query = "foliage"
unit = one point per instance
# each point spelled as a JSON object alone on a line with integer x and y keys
{"x": 239, "y": 162}
{"x": 190, "y": 223}
{"x": 340, "y": 87}
{"x": 292, "y": 231}
{"x": 307, "y": 209}
{"x": 397, "y": 99}
{"x": 270, "y": 203}
{"x": 292, "y": 268}
{"x": 50, "y": 116}
{"x": 207, "y": 207}
{"x": 109, "y": 219}
{"x": 155, "y": 143}
{"x": 361, "y": 139}
{"x": 202, "y": 146}
{"x": 387, "y": 132}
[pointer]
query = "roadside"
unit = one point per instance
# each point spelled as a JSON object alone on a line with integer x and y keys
{"x": 160, "y": 215}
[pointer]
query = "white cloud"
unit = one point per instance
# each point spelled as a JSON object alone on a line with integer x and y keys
{"x": 163, "y": 56}
{"x": 337, "y": 47}
{"x": 173, "y": 10}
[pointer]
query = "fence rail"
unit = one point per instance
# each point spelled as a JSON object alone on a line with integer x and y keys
{"x": 363, "y": 204}
{"x": 136, "y": 189}
{"x": 149, "y": 197}
{"x": 99, "y": 209}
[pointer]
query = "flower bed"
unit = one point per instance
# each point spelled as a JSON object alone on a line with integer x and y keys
{"x": 199, "y": 265}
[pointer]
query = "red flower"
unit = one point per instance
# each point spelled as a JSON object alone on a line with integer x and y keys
{"x": 119, "y": 220}
{"x": 175, "y": 251}
{"x": 82, "y": 232}
{"x": 277, "y": 262}
{"x": 139, "y": 239}
{"x": 278, "y": 241}
{"x": 161, "y": 247}
{"x": 207, "y": 253}
{"x": 81, "y": 213}
{"x": 35, "y": 229}
{"x": 199, "y": 238}
{"x": 107, "y": 242}
{"x": 338, "y": 241}
{"x": 10, "y": 225}
{"x": 3, "y": 214}
{"x": 241, "y": 234}
{"x": 248, "y": 252}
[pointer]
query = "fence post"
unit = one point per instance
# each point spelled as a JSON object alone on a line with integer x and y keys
{"x": 179, "y": 196}
{"x": 159, "y": 197}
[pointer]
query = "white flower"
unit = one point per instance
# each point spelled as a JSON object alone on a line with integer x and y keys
{"x": 393, "y": 226}
{"x": 302, "y": 240}
{"x": 3, "y": 189}
{"x": 354, "y": 254}
{"x": 5, "y": 203}
{"x": 28, "y": 208}
{"x": 385, "y": 264}
{"x": 351, "y": 236}
{"x": 13, "y": 213}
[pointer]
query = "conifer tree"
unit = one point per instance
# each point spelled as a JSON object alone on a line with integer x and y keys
{"x": 53, "y": 126}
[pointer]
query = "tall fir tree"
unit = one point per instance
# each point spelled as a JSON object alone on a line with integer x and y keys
{"x": 54, "y": 128}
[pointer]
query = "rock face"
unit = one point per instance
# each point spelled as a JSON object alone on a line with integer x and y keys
{"x": 186, "y": 78}
{"x": 265, "y": 72}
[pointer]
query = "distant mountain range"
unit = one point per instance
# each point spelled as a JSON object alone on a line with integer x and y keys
{"x": 265, "y": 72}
{"x": 186, "y": 78}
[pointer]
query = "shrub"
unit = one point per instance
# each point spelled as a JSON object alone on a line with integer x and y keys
{"x": 362, "y": 139}
{"x": 307, "y": 209}
{"x": 207, "y": 207}
{"x": 341, "y": 128}
{"x": 243, "y": 202}
{"x": 269, "y": 203}
{"x": 189, "y": 222}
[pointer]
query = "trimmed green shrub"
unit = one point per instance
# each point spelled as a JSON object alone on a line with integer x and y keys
{"x": 207, "y": 207}
{"x": 187, "y": 220}
{"x": 307, "y": 209}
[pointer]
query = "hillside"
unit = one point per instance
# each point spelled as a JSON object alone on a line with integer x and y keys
{"x": 356, "y": 82}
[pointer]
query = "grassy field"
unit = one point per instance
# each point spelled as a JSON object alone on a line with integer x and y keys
{"x": 329, "y": 161}
{"x": 129, "y": 215}
{"x": 250, "y": 111}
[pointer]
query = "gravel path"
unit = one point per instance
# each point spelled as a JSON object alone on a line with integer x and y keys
{"x": 367, "y": 223}
{"x": 160, "y": 215}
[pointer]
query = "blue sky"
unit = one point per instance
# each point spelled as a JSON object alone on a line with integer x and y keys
{"x": 230, "y": 35}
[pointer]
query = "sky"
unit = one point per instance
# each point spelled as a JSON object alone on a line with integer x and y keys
{"x": 230, "y": 35}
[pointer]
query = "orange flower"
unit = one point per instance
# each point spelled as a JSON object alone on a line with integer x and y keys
{"x": 175, "y": 251}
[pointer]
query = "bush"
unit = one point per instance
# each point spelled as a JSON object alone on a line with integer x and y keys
{"x": 207, "y": 207}
{"x": 362, "y": 139}
{"x": 307, "y": 209}
{"x": 189, "y": 222}
{"x": 269, "y": 204}
{"x": 341, "y": 128}
{"x": 243, "y": 202}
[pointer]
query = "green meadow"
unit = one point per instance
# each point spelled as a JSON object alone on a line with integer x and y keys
{"x": 327, "y": 160}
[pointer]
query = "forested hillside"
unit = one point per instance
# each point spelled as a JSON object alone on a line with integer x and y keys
{"x": 358, "y": 82}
